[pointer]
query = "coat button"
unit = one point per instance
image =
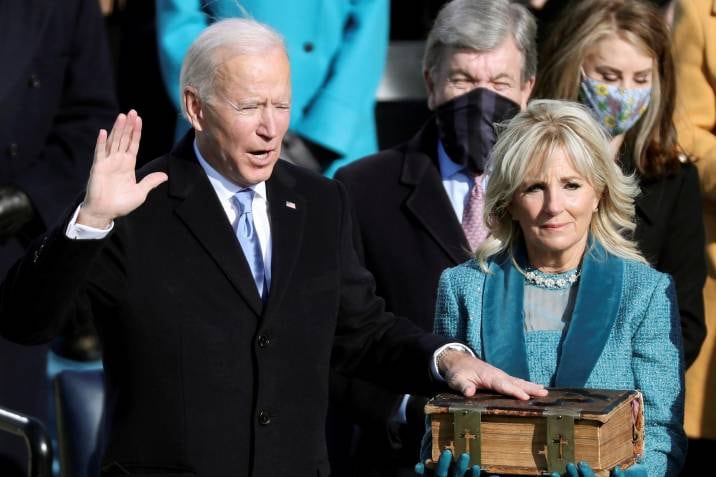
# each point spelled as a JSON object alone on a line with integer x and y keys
{"x": 264, "y": 341}
{"x": 13, "y": 149}
{"x": 33, "y": 81}
{"x": 264, "y": 418}
{"x": 308, "y": 47}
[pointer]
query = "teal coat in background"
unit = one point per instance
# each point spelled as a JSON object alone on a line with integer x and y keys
{"x": 624, "y": 333}
{"x": 337, "y": 50}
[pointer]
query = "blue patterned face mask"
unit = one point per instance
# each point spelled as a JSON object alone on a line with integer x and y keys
{"x": 616, "y": 109}
{"x": 466, "y": 126}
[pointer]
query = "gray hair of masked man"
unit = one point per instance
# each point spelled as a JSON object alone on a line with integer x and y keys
{"x": 484, "y": 27}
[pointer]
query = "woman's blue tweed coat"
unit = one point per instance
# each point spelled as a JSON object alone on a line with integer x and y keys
{"x": 640, "y": 346}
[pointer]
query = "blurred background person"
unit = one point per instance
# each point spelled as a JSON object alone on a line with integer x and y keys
{"x": 56, "y": 91}
{"x": 694, "y": 47}
{"x": 401, "y": 107}
{"x": 558, "y": 293}
{"x": 418, "y": 206}
{"x": 337, "y": 52}
{"x": 551, "y": 10}
{"x": 131, "y": 27}
{"x": 614, "y": 56}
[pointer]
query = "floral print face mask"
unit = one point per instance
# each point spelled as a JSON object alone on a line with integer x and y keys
{"x": 616, "y": 109}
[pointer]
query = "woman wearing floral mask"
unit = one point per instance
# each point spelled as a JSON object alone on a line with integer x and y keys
{"x": 614, "y": 56}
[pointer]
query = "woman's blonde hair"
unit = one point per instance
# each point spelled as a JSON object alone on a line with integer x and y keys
{"x": 652, "y": 140}
{"x": 526, "y": 142}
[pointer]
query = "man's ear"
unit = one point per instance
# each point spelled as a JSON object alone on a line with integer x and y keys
{"x": 430, "y": 86}
{"x": 194, "y": 107}
{"x": 526, "y": 92}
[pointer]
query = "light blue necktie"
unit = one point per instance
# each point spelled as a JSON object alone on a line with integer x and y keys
{"x": 249, "y": 240}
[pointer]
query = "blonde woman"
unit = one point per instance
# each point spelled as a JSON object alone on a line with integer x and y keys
{"x": 558, "y": 294}
{"x": 614, "y": 56}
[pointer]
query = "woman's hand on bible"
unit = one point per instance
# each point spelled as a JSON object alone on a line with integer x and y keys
{"x": 584, "y": 470}
{"x": 446, "y": 468}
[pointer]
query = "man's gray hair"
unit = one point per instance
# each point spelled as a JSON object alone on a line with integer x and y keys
{"x": 219, "y": 43}
{"x": 482, "y": 25}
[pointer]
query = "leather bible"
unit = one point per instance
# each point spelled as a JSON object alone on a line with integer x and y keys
{"x": 604, "y": 428}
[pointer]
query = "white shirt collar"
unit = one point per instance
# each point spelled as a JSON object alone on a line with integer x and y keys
{"x": 225, "y": 189}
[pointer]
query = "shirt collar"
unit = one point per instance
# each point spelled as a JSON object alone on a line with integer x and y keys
{"x": 225, "y": 189}
{"x": 447, "y": 167}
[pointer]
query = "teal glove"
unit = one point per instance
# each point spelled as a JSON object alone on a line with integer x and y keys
{"x": 444, "y": 464}
{"x": 580, "y": 470}
{"x": 583, "y": 470}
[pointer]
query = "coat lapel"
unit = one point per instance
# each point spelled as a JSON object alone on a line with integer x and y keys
{"x": 201, "y": 212}
{"x": 648, "y": 203}
{"x": 595, "y": 310}
{"x": 503, "y": 336}
{"x": 428, "y": 202}
{"x": 287, "y": 211}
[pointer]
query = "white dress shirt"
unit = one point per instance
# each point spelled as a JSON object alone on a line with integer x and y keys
{"x": 225, "y": 191}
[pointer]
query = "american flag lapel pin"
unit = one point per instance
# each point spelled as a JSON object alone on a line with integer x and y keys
{"x": 290, "y": 205}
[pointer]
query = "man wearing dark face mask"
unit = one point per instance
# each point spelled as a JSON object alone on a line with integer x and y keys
{"x": 418, "y": 206}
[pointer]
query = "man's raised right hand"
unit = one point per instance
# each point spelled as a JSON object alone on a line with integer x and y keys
{"x": 112, "y": 188}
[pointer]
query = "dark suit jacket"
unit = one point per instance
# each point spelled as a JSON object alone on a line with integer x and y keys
{"x": 56, "y": 92}
{"x": 203, "y": 378}
{"x": 670, "y": 234}
{"x": 407, "y": 234}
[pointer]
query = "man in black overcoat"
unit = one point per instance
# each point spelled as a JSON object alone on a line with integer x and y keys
{"x": 221, "y": 315}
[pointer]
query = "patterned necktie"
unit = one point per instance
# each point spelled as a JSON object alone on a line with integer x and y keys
{"x": 472, "y": 222}
{"x": 249, "y": 240}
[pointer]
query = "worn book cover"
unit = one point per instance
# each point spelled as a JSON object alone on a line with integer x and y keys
{"x": 507, "y": 436}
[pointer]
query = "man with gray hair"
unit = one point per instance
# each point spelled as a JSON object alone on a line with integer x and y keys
{"x": 224, "y": 284}
{"x": 418, "y": 207}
